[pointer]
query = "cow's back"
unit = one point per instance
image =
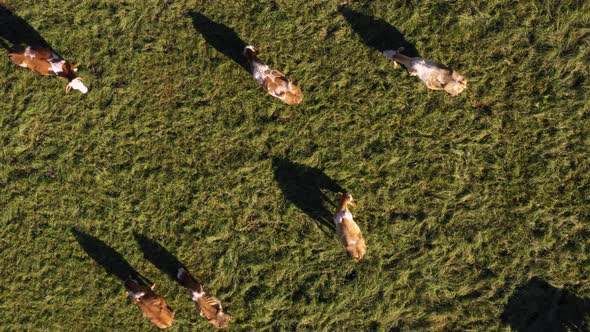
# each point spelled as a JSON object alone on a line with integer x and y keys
{"x": 351, "y": 238}
{"x": 210, "y": 308}
{"x": 36, "y": 59}
{"x": 155, "y": 309}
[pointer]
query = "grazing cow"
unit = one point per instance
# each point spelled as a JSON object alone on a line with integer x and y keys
{"x": 209, "y": 306}
{"x": 46, "y": 62}
{"x": 273, "y": 81}
{"x": 348, "y": 231}
{"x": 151, "y": 305}
{"x": 434, "y": 75}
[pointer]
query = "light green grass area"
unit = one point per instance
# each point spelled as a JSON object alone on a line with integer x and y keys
{"x": 462, "y": 200}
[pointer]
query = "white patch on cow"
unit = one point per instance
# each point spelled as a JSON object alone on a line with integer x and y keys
{"x": 29, "y": 52}
{"x": 136, "y": 295}
{"x": 249, "y": 47}
{"x": 196, "y": 295}
{"x": 77, "y": 84}
{"x": 260, "y": 71}
{"x": 24, "y": 65}
{"x": 57, "y": 67}
{"x": 341, "y": 215}
{"x": 423, "y": 69}
{"x": 281, "y": 89}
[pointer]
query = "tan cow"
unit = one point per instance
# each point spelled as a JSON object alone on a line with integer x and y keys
{"x": 273, "y": 81}
{"x": 348, "y": 231}
{"x": 209, "y": 306}
{"x": 151, "y": 305}
{"x": 46, "y": 62}
{"x": 434, "y": 75}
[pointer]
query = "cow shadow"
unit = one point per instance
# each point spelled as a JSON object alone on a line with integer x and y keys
{"x": 377, "y": 33}
{"x": 15, "y": 32}
{"x": 538, "y": 306}
{"x": 163, "y": 259}
{"x": 223, "y": 38}
{"x": 112, "y": 261}
{"x": 306, "y": 188}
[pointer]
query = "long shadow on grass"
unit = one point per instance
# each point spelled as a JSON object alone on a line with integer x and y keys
{"x": 222, "y": 37}
{"x": 154, "y": 252}
{"x": 14, "y": 31}
{"x": 538, "y": 306}
{"x": 377, "y": 33}
{"x": 109, "y": 258}
{"x": 305, "y": 187}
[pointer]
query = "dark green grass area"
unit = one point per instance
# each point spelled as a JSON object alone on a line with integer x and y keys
{"x": 475, "y": 208}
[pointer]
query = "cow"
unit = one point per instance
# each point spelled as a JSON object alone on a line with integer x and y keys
{"x": 348, "y": 231}
{"x": 434, "y": 75}
{"x": 209, "y": 306}
{"x": 46, "y": 62}
{"x": 273, "y": 81}
{"x": 151, "y": 305}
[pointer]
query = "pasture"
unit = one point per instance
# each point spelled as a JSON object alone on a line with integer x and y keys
{"x": 475, "y": 208}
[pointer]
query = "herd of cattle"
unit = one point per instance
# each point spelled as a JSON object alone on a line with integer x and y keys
{"x": 435, "y": 76}
{"x": 154, "y": 307}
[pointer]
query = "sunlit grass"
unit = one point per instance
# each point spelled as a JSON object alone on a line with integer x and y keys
{"x": 461, "y": 199}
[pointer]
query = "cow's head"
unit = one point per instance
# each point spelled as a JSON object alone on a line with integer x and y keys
{"x": 346, "y": 199}
{"x": 76, "y": 84}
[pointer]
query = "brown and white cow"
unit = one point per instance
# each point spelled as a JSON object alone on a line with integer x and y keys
{"x": 209, "y": 306}
{"x": 273, "y": 81}
{"x": 151, "y": 305}
{"x": 434, "y": 75}
{"x": 46, "y": 62}
{"x": 348, "y": 231}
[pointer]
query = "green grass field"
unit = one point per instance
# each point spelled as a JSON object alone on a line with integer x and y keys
{"x": 475, "y": 208}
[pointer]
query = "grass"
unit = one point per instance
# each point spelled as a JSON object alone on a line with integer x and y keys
{"x": 468, "y": 204}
